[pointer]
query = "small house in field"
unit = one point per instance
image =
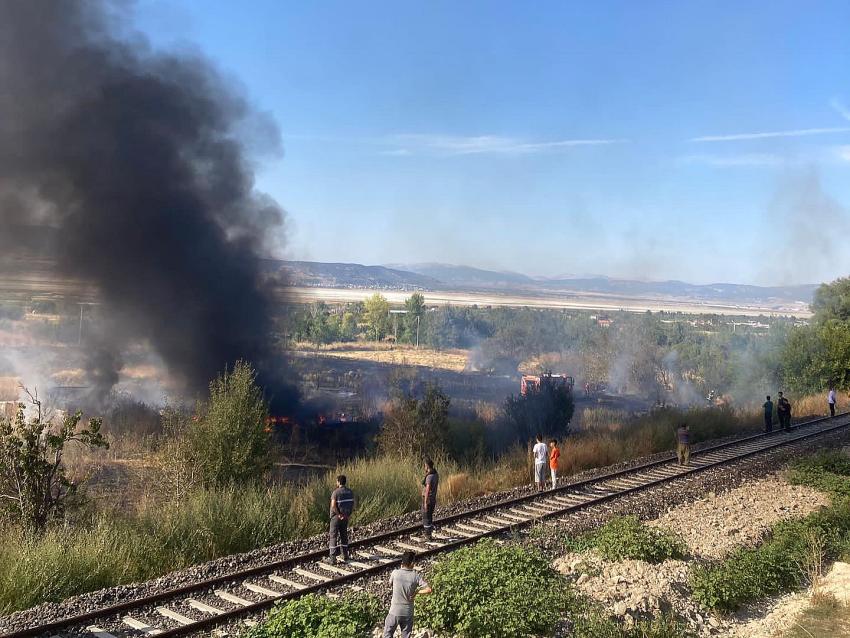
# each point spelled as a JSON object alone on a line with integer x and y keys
{"x": 604, "y": 321}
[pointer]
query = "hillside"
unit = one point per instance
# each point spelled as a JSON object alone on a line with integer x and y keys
{"x": 465, "y": 277}
{"x": 339, "y": 275}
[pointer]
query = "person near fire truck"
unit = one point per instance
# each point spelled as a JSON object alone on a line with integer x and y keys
{"x": 342, "y": 507}
{"x": 429, "y": 497}
{"x": 540, "y": 454}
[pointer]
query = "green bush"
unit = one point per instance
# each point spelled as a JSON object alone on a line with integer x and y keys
{"x": 627, "y": 537}
{"x": 828, "y": 472}
{"x": 660, "y": 627}
{"x": 775, "y": 566}
{"x": 315, "y": 616}
{"x": 490, "y": 590}
{"x": 228, "y": 441}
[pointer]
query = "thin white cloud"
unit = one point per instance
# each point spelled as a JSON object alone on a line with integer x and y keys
{"x": 843, "y": 153}
{"x": 771, "y": 134}
{"x": 840, "y": 108}
{"x": 730, "y": 161}
{"x": 489, "y": 144}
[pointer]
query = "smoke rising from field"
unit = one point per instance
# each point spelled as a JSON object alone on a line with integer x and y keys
{"x": 134, "y": 160}
{"x": 809, "y": 227}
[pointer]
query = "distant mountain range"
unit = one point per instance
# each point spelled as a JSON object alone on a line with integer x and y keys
{"x": 331, "y": 275}
{"x": 434, "y": 276}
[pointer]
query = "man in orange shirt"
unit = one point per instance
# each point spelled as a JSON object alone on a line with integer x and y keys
{"x": 554, "y": 457}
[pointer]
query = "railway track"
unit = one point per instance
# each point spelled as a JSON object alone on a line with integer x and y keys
{"x": 204, "y": 605}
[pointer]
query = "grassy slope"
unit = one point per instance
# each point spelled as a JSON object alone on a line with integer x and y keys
{"x": 106, "y": 547}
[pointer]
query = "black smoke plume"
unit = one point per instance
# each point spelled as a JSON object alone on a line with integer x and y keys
{"x": 133, "y": 158}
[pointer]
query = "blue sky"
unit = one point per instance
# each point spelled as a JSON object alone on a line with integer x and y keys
{"x": 704, "y": 141}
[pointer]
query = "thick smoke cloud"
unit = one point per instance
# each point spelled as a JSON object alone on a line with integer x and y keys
{"x": 133, "y": 159}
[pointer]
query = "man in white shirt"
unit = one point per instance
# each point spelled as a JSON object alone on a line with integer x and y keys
{"x": 540, "y": 453}
{"x": 831, "y": 400}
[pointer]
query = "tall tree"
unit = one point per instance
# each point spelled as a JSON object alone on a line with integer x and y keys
{"x": 415, "y": 306}
{"x": 818, "y": 355}
{"x": 376, "y": 315}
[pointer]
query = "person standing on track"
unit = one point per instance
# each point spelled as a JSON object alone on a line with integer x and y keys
{"x": 768, "y": 415}
{"x": 783, "y": 410}
{"x": 342, "y": 507}
{"x": 540, "y": 454}
{"x": 830, "y": 398}
{"x": 406, "y": 584}
{"x": 429, "y": 497}
{"x": 683, "y": 444}
{"x": 554, "y": 457}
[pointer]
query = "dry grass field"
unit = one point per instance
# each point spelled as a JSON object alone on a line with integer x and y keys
{"x": 399, "y": 354}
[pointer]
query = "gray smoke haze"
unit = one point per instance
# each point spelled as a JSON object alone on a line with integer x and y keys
{"x": 133, "y": 158}
{"x": 808, "y": 230}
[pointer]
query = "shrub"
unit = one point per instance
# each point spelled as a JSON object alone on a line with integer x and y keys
{"x": 315, "y": 616}
{"x": 547, "y": 409}
{"x": 628, "y": 538}
{"x": 828, "y": 472}
{"x": 228, "y": 438}
{"x": 490, "y": 590}
{"x": 416, "y": 427}
{"x": 33, "y": 478}
{"x": 660, "y": 627}
{"x": 776, "y": 566}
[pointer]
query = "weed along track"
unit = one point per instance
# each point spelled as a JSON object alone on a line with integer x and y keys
{"x": 206, "y": 604}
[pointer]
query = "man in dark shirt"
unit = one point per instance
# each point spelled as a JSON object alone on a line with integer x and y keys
{"x": 783, "y": 410}
{"x": 683, "y": 444}
{"x": 342, "y": 507}
{"x": 429, "y": 497}
{"x": 768, "y": 415}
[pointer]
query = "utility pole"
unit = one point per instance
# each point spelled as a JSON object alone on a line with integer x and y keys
{"x": 417, "y": 331}
{"x": 82, "y": 304}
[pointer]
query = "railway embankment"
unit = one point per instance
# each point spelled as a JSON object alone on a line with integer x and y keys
{"x": 710, "y": 529}
{"x": 667, "y": 500}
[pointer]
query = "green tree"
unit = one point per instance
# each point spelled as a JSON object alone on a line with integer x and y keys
{"x": 547, "y": 410}
{"x": 416, "y": 427}
{"x": 415, "y": 306}
{"x": 376, "y": 315}
{"x": 348, "y": 327}
{"x": 818, "y": 355}
{"x": 33, "y": 479}
{"x": 832, "y": 301}
{"x": 227, "y": 438}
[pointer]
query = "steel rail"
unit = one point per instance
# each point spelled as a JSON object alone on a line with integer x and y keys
{"x": 199, "y": 586}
